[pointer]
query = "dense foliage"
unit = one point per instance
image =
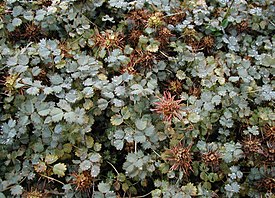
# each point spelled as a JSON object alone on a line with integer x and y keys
{"x": 157, "y": 98}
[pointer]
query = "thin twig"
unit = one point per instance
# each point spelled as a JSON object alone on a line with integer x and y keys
{"x": 50, "y": 178}
{"x": 143, "y": 195}
{"x": 113, "y": 167}
{"x": 228, "y": 9}
{"x": 156, "y": 153}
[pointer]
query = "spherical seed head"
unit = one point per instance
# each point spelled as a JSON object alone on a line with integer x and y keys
{"x": 180, "y": 158}
{"x": 168, "y": 107}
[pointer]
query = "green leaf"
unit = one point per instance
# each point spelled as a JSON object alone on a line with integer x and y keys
{"x": 125, "y": 113}
{"x": 17, "y": 10}
{"x": 95, "y": 157}
{"x": 85, "y": 165}
{"x": 59, "y": 169}
{"x": 194, "y": 117}
{"x": 104, "y": 187}
{"x": 70, "y": 117}
{"x": 12, "y": 61}
{"x": 16, "y": 22}
{"x": 23, "y": 59}
{"x": 89, "y": 142}
{"x": 141, "y": 124}
{"x": 57, "y": 114}
{"x": 119, "y": 144}
{"x": 16, "y": 190}
{"x": 50, "y": 159}
{"x": 224, "y": 23}
{"x": 116, "y": 120}
{"x": 33, "y": 91}
{"x": 102, "y": 104}
{"x": 95, "y": 170}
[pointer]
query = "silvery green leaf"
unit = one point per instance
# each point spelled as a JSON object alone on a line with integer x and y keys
{"x": 118, "y": 103}
{"x": 58, "y": 129}
{"x": 16, "y": 190}
{"x": 109, "y": 95}
{"x": 104, "y": 187}
{"x": 120, "y": 91}
{"x": 95, "y": 170}
{"x": 127, "y": 77}
{"x": 70, "y": 117}
{"x": 216, "y": 100}
{"x": 40, "y": 14}
{"x": 117, "y": 80}
{"x": 16, "y": 22}
{"x": 17, "y": 10}
{"x": 88, "y": 82}
{"x": 83, "y": 60}
{"x": 149, "y": 131}
{"x": 119, "y": 134}
{"x": 23, "y": 59}
{"x": 33, "y": 91}
{"x": 36, "y": 71}
{"x": 47, "y": 90}
{"x": 56, "y": 114}
{"x": 139, "y": 137}
{"x": 85, "y": 165}
{"x": 102, "y": 104}
{"x": 12, "y": 61}
{"x": 56, "y": 79}
{"x": 95, "y": 157}
{"x": 28, "y": 15}
{"x": 194, "y": 117}
{"x": 71, "y": 96}
{"x": 116, "y": 120}
{"x": 27, "y": 81}
{"x": 119, "y": 144}
{"x": 44, "y": 52}
{"x": 141, "y": 124}
{"x": 59, "y": 169}
{"x": 88, "y": 91}
{"x": 57, "y": 89}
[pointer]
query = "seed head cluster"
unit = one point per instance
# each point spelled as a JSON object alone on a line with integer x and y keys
{"x": 168, "y": 107}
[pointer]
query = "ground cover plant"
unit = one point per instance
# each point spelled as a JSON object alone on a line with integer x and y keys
{"x": 117, "y": 98}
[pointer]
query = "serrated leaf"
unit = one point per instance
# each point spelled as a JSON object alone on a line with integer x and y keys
{"x": 33, "y": 91}
{"x": 17, "y": 10}
{"x": 59, "y": 169}
{"x": 44, "y": 112}
{"x": 119, "y": 144}
{"x": 119, "y": 134}
{"x": 50, "y": 159}
{"x": 125, "y": 113}
{"x": 104, "y": 187}
{"x": 16, "y": 190}
{"x": 141, "y": 124}
{"x": 89, "y": 142}
{"x": 95, "y": 170}
{"x": 95, "y": 157}
{"x": 67, "y": 148}
{"x": 118, "y": 103}
{"x": 12, "y": 61}
{"x": 102, "y": 104}
{"x": 16, "y": 22}
{"x": 116, "y": 120}
{"x": 85, "y": 165}
{"x": 83, "y": 60}
{"x": 71, "y": 96}
{"x": 139, "y": 137}
{"x": 23, "y": 59}
{"x": 70, "y": 117}
{"x": 56, "y": 114}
